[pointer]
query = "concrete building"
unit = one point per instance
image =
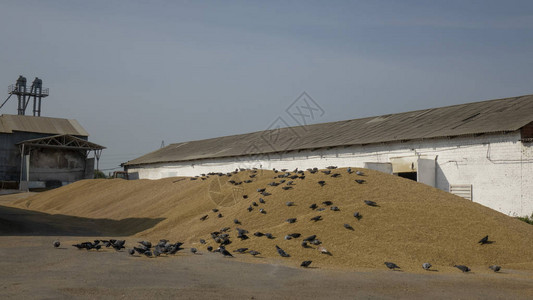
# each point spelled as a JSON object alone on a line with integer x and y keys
{"x": 39, "y": 152}
{"x": 482, "y": 151}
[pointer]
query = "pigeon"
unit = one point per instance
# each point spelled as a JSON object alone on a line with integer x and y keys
{"x": 313, "y": 206}
{"x": 240, "y": 250}
{"x": 322, "y": 182}
{"x": 359, "y": 173}
{"x": 262, "y": 211}
{"x": 347, "y": 226}
{"x": 462, "y": 268}
{"x": 261, "y": 200}
{"x": 306, "y": 263}
{"x": 259, "y": 234}
{"x": 202, "y": 241}
{"x": 331, "y": 167}
{"x": 370, "y": 203}
{"x": 261, "y": 190}
{"x": 391, "y": 265}
{"x": 327, "y": 172}
{"x": 495, "y": 268}
{"x": 310, "y": 238}
{"x": 250, "y": 208}
{"x": 146, "y": 244}
{"x": 360, "y": 181}
{"x": 426, "y": 266}
{"x": 194, "y": 250}
{"x": 225, "y": 252}
{"x": 246, "y": 196}
{"x": 304, "y": 244}
{"x": 219, "y": 215}
{"x": 287, "y": 188}
{"x": 281, "y": 252}
{"x": 288, "y": 237}
{"x": 131, "y": 251}
{"x": 57, "y": 244}
{"x": 484, "y": 240}
{"x": 255, "y": 203}
{"x": 335, "y": 175}
{"x": 290, "y": 203}
{"x": 215, "y": 210}
{"x": 321, "y": 209}
{"x": 317, "y": 218}
{"x": 237, "y": 222}
{"x": 335, "y": 208}
{"x": 291, "y": 220}
{"x": 269, "y": 235}
{"x": 254, "y": 253}
{"x": 349, "y": 170}
{"x": 357, "y": 215}
{"x": 148, "y": 253}
{"x": 203, "y": 218}
{"x": 295, "y": 235}
{"x": 209, "y": 248}
{"x": 327, "y": 203}
{"x": 316, "y": 242}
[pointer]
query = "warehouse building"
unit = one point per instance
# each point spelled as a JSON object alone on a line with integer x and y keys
{"x": 482, "y": 151}
{"x": 43, "y": 152}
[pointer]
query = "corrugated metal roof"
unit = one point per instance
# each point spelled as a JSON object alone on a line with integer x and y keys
{"x": 10, "y": 123}
{"x": 501, "y": 115}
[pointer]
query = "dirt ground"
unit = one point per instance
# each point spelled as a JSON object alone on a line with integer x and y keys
{"x": 34, "y": 269}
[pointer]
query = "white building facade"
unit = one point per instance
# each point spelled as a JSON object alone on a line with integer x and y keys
{"x": 494, "y": 169}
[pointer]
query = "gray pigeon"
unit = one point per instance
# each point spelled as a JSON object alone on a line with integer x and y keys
{"x": 254, "y": 253}
{"x": 370, "y": 203}
{"x": 484, "y": 240}
{"x": 359, "y": 173}
{"x": 347, "y": 226}
{"x": 291, "y": 220}
{"x": 131, "y": 251}
{"x": 290, "y": 203}
{"x": 426, "y": 266}
{"x": 463, "y": 268}
{"x": 317, "y": 218}
{"x": 281, "y": 252}
{"x": 261, "y": 200}
{"x": 495, "y": 268}
{"x": 357, "y": 215}
{"x": 391, "y": 265}
{"x": 335, "y": 208}
{"x": 306, "y": 263}
{"x": 194, "y": 250}
{"x": 57, "y": 244}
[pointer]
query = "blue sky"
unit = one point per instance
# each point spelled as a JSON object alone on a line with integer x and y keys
{"x": 135, "y": 73}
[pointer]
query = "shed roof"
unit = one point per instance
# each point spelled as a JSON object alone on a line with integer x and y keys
{"x": 10, "y": 123}
{"x": 500, "y": 115}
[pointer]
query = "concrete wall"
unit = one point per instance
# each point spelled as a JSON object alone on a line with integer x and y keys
{"x": 499, "y": 167}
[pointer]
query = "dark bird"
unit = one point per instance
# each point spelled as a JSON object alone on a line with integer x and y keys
{"x": 202, "y": 241}
{"x": 391, "y": 265}
{"x": 225, "y": 252}
{"x": 281, "y": 252}
{"x": 194, "y": 250}
{"x": 254, "y": 253}
{"x": 484, "y": 240}
{"x": 148, "y": 253}
{"x": 295, "y": 235}
{"x": 261, "y": 200}
{"x": 262, "y": 211}
{"x": 245, "y": 196}
{"x": 266, "y": 194}
{"x": 331, "y": 167}
{"x": 287, "y": 188}
{"x": 357, "y": 215}
{"x": 131, "y": 251}
{"x": 255, "y": 203}
{"x": 288, "y": 237}
{"x": 269, "y": 235}
{"x": 209, "y": 248}
{"x": 349, "y": 170}
{"x": 321, "y": 209}
{"x": 335, "y": 208}
{"x": 140, "y": 250}
{"x": 327, "y": 172}
{"x": 240, "y": 250}
{"x": 219, "y": 215}
{"x": 327, "y": 203}
{"x": 259, "y": 234}
{"x": 322, "y": 182}
{"x": 463, "y": 268}
{"x": 335, "y": 175}
{"x": 250, "y": 208}
{"x": 306, "y": 263}
{"x": 236, "y": 221}
{"x": 310, "y": 238}
{"x": 291, "y": 220}
{"x": 347, "y": 226}
{"x": 426, "y": 266}
{"x": 146, "y": 244}
{"x": 313, "y": 206}
{"x": 304, "y": 244}
{"x": 204, "y": 217}
{"x": 261, "y": 190}
{"x": 317, "y": 218}
{"x": 290, "y": 203}
{"x": 57, "y": 244}
{"x": 370, "y": 203}
{"x": 360, "y": 181}
{"x": 215, "y": 210}
{"x": 495, "y": 268}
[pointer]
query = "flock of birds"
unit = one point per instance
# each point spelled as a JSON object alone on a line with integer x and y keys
{"x": 222, "y": 237}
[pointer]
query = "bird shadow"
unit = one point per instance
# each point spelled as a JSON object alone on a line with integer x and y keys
{"x": 488, "y": 242}
{"x": 433, "y": 270}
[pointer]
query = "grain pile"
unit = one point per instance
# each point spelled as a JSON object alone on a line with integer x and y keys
{"x": 412, "y": 224}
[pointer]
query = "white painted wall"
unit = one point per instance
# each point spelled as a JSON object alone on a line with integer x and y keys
{"x": 499, "y": 166}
